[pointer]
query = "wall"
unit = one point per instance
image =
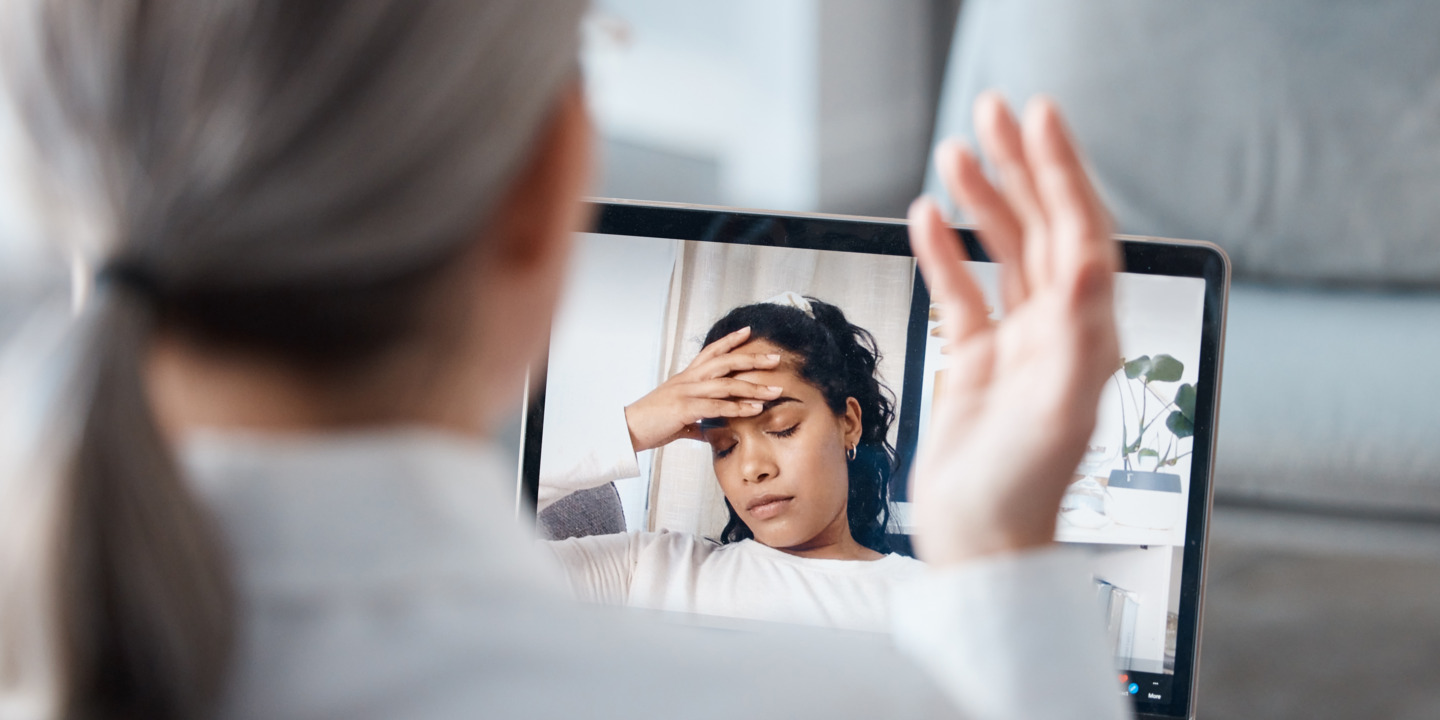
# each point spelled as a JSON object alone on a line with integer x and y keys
{"x": 797, "y": 105}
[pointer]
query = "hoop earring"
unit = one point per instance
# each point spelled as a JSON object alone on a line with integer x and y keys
{"x": 850, "y": 453}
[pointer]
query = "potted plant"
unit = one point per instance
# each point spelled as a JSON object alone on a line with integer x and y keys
{"x": 1157, "y": 419}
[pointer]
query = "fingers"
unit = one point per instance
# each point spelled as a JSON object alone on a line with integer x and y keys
{"x": 1086, "y": 255}
{"x": 1084, "y": 252}
{"x": 725, "y": 397}
{"x": 722, "y": 346}
{"x": 1060, "y": 176}
{"x": 731, "y": 363}
{"x": 1046, "y": 213}
{"x": 732, "y": 388}
{"x": 999, "y": 229}
{"x": 718, "y": 359}
{"x": 1001, "y": 139}
{"x": 726, "y": 408}
{"x": 712, "y": 408}
{"x": 670, "y": 411}
{"x": 965, "y": 179}
{"x": 962, "y": 304}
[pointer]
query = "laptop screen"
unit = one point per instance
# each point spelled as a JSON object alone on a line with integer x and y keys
{"x": 655, "y": 493}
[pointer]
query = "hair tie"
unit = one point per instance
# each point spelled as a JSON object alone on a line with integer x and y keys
{"x": 790, "y": 298}
{"x": 129, "y": 275}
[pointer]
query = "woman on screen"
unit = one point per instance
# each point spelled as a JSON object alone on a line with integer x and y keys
{"x": 798, "y": 422}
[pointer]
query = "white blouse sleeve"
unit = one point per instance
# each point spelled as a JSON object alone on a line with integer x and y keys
{"x": 599, "y": 567}
{"x": 1017, "y": 636}
{"x": 609, "y": 457}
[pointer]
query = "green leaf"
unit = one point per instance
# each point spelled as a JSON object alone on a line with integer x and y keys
{"x": 1164, "y": 368}
{"x": 1180, "y": 425}
{"x": 1185, "y": 400}
{"x": 1137, "y": 367}
{"x": 1147, "y": 452}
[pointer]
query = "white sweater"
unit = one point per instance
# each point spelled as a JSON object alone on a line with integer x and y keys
{"x": 680, "y": 572}
{"x": 382, "y": 575}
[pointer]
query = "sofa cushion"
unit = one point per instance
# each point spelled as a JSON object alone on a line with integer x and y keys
{"x": 1332, "y": 399}
{"x": 594, "y": 511}
{"x": 1302, "y": 135}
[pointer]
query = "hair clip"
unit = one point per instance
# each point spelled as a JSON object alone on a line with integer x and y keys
{"x": 790, "y": 298}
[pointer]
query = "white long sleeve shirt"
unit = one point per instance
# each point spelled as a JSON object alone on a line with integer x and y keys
{"x": 383, "y": 575}
{"x": 683, "y": 573}
{"x": 680, "y": 572}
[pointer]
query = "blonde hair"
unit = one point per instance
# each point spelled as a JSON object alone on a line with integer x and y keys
{"x": 282, "y": 175}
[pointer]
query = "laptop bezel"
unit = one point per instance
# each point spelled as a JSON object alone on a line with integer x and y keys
{"x": 881, "y": 236}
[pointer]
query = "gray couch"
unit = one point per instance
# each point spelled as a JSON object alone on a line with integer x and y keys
{"x": 1304, "y": 137}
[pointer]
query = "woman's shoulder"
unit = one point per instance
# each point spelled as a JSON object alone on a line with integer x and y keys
{"x": 902, "y": 565}
{"x": 897, "y": 566}
{"x": 674, "y": 543}
{"x": 644, "y": 540}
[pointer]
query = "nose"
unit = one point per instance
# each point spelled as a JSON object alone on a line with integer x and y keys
{"x": 757, "y": 463}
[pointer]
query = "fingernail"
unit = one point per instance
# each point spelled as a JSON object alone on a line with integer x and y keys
{"x": 964, "y": 151}
{"x": 757, "y": 406}
{"x": 776, "y": 388}
{"x": 745, "y": 329}
{"x": 773, "y": 357}
{"x": 951, "y": 146}
{"x": 1040, "y": 104}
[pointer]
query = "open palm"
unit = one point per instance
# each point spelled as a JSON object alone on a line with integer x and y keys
{"x": 1021, "y": 394}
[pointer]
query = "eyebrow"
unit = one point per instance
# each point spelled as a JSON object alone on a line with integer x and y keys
{"x": 778, "y": 401}
{"x": 719, "y": 422}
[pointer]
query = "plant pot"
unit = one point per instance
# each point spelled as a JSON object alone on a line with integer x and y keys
{"x": 1146, "y": 500}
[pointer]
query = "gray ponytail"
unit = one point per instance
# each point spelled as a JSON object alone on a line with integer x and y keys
{"x": 143, "y": 594}
{"x": 285, "y": 176}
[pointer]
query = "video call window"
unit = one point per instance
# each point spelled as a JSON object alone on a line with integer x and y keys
{"x": 637, "y": 311}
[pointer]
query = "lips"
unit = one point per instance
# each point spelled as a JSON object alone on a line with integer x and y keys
{"x": 768, "y": 506}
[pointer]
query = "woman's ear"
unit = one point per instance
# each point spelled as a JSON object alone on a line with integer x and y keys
{"x": 850, "y": 423}
{"x": 536, "y": 218}
{"x": 506, "y": 290}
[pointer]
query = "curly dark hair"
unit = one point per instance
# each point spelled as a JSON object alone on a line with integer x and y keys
{"x": 840, "y": 359}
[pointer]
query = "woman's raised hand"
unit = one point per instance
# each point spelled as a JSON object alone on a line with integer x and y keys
{"x": 702, "y": 390}
{"x": 1020, "y": 397}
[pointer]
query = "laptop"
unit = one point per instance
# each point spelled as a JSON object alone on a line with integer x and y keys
{"x": 653, "y": 279}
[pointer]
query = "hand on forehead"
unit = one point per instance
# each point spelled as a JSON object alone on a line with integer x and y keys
{"x": 794, "y": 389}
{"x": 761, "y": 347}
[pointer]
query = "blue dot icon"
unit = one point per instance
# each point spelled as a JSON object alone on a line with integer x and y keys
{"x": 1134, "y": 688}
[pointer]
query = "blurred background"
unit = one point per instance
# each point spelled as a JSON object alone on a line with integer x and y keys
{"x": 1301, "y": 135}
{"x": 782, "y": 105}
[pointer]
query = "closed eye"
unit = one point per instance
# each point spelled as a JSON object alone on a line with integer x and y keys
{"x": 787, "y": 432}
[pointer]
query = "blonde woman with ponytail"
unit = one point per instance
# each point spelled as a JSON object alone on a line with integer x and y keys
{"x": 250, "y": 477}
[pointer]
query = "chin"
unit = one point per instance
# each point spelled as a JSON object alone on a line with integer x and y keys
{"x": 780, "y": 539}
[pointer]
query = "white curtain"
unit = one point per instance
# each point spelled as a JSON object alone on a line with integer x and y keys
{"x": 712, "y": 278}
